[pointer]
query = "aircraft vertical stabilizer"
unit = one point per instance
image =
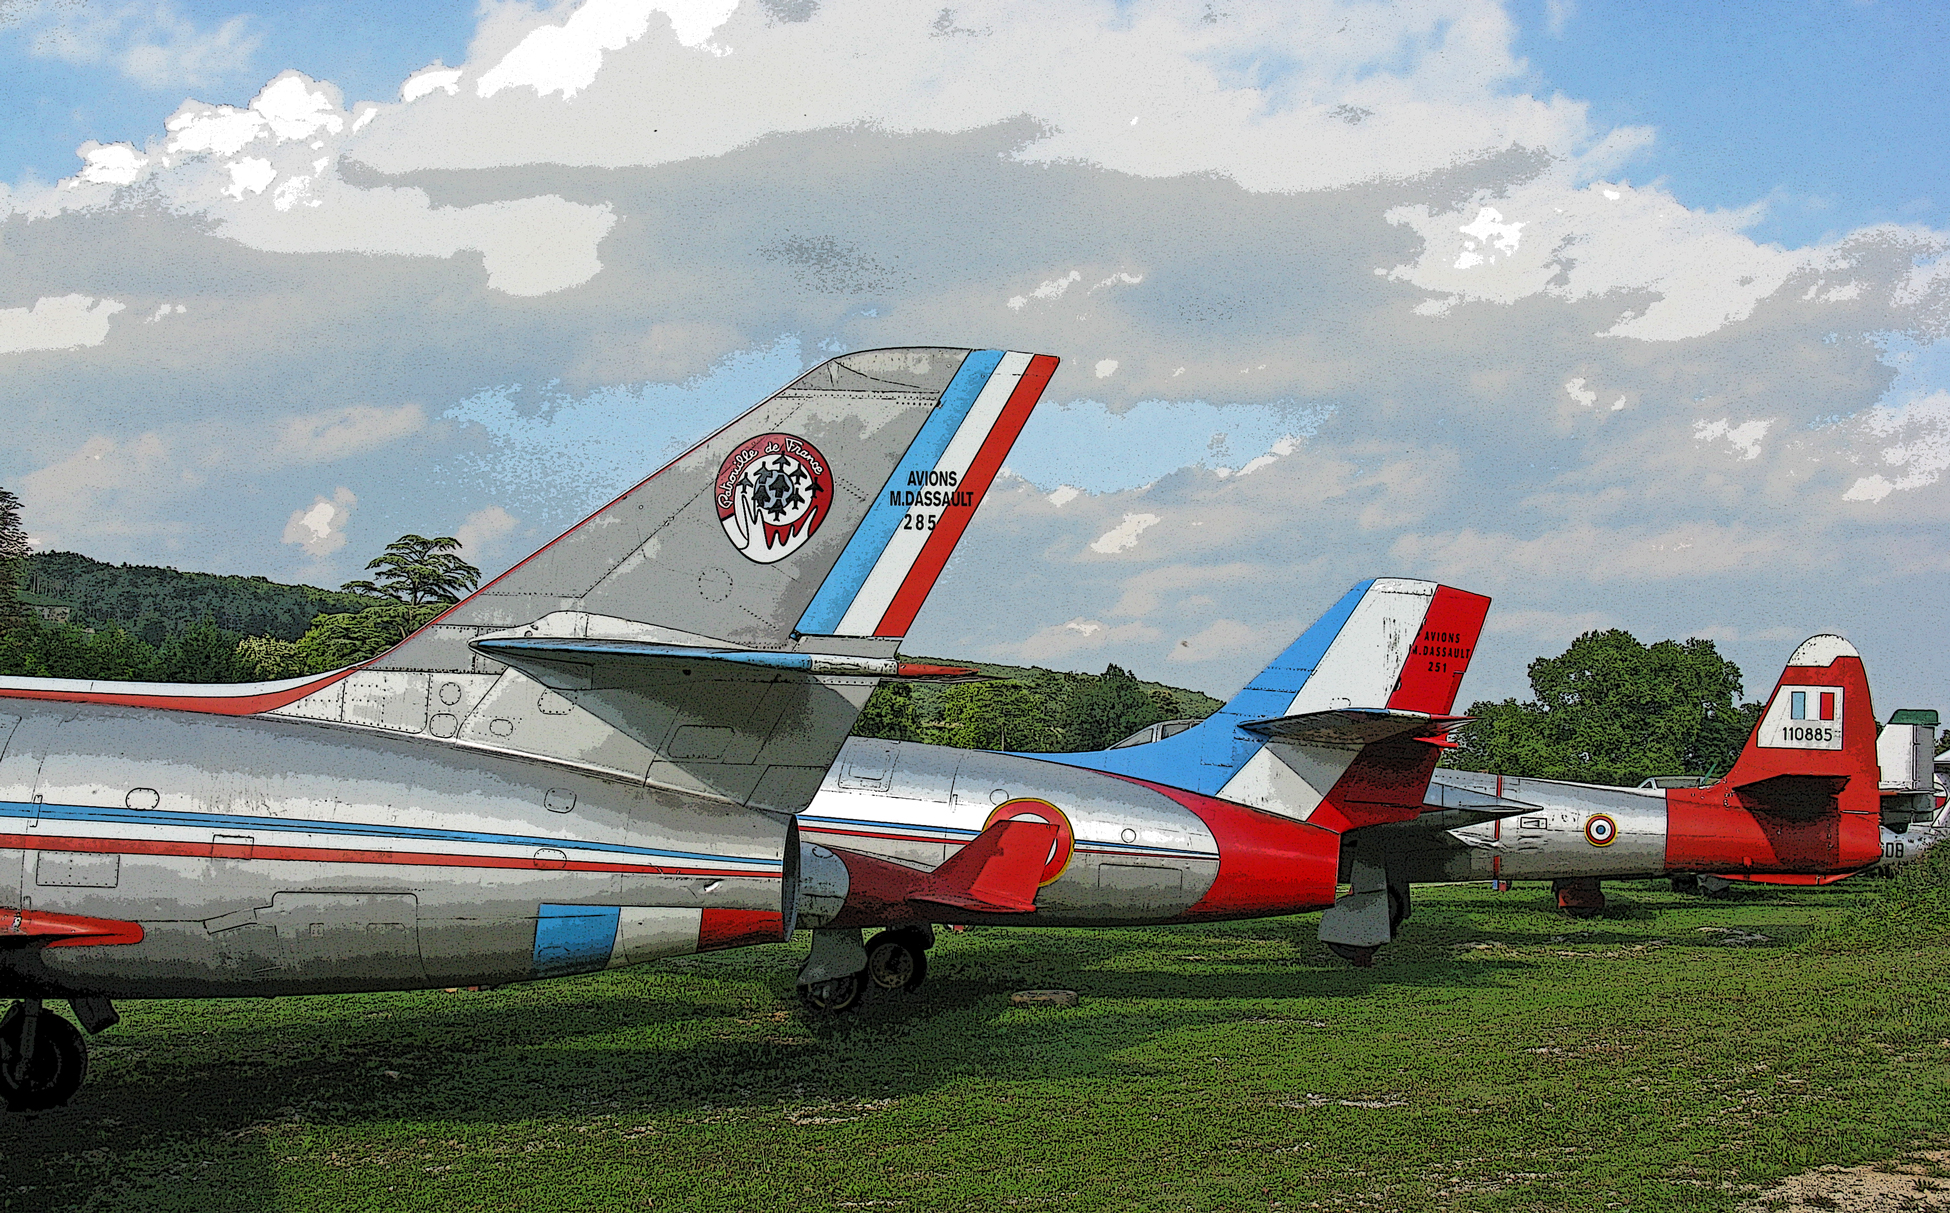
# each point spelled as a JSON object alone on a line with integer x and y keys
{"x": 1803, "y": 794}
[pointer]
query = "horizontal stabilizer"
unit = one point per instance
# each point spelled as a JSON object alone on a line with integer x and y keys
{"x": 650, "y": 657}
{"x": 1353, "y": 728}
{"x": 997, "y": 873}
{"x": 1793, "y": 797}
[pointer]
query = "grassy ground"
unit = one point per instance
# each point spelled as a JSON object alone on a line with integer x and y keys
{"x": 1675, "y": 1054}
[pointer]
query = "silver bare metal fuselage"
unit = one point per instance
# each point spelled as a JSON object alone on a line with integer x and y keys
{"x": 1138, "y": 855}
{"x": 1557, "y": 840}
{"x": 267, "y": 856}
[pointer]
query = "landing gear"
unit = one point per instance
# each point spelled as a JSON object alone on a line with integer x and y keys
{"x": 839, "y": 972}
{"x": 1583, "y": 897}
{"x": 898, "y": 959}
{"x": 43, "y": 1058}
{"x": 835, "y": 994}
{"x": 1685, "y": 882}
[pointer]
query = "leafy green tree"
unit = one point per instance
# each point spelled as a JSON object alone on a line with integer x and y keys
{"x": 994, "y": 716}
{"x": 66, "y": 650}
{"x": 1612, "y": 710}
{"x": 202, "y": 653}
{"x": 1103, "y": 711}
{"x": 13, "y": 550}
{"x": 414, "y": 569}
{"x": 335, "y": 641}
{"x": 268, "y": 659}
{"x": 889, "y": 714}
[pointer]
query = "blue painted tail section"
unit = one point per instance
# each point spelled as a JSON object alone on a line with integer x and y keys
{"x": 1204, "y": 757}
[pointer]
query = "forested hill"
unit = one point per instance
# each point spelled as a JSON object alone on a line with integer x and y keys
{"x": 158, "y": 603}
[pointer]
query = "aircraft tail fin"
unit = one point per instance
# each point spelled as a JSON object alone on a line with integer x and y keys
{"x": 1802, "y": 796}
{"x": 716, "y": 629}
{"x": 826, "y": 510}
{"x": 1364, "y": 690}
{"x": 1816, "y": 737}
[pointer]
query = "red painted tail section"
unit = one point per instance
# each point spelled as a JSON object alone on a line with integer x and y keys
{"x": 1387, "y": 780}
{"x": 1440, "y": 655}
{"x": 1802, "y": 797}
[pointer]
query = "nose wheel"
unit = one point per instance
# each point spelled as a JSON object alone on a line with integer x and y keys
{"x": 43, "y": 1058}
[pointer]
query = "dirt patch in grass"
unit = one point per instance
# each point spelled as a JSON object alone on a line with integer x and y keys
{"x": 1915, "y": 1182}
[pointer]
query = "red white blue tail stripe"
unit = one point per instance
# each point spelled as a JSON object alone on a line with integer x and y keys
{"x": 893, "y": 559}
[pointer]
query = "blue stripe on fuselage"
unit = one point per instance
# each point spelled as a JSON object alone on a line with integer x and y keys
{"x": 1204, "y": 757}
{"x": 574, "y": 939}
{"x": 863, "y": 551}
{"x": 165, "y": 817}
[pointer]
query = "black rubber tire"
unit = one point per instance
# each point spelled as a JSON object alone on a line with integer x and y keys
{"x": 895, "y": 961}
{"x": 1685, "y": 884}
{"x": 59, "y": 1066}
{"x": 1360, "y": 958}
{"x": 834, "y": 995}
{"x": 1397, "y": 910}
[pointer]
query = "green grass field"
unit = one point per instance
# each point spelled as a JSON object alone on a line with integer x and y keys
{"x": 1674, "y": 1054}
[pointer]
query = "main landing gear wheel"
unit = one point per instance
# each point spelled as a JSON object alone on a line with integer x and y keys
{"x": 1360, "y": 958}
{"x": 896, "y": 960}
{"x": 1397, "y": 910}
{"x": 43, "y": 1059}
{"x": 835, "y": 994}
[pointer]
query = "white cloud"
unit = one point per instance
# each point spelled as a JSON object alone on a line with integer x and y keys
{"x": 296, "y": 129}
{"x": 427, "y": 79}
{"x": 1124, "y": 534}
{"x": 565, "y": 58}
{"x": 1744, "y": 437}
{"x": 482, "y": 532}
{"x": 1106, "y": 368}
{"x": 1067, "y": 640}
{"x": 1052, "y": 289}
{"x": 333, "y": 434}
{"x": 110, "y": 164}
{"x": 319, "y": 529}
{"x": 1922, "y": 452}
{"x": 1222, "y": 639}
{"x": 60, "y": 322}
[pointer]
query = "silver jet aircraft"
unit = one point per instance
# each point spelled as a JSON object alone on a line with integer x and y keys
{"x": 1241, "y": 815}
{"x": 1801, "y": 805}
{"x": 592, "y": 761}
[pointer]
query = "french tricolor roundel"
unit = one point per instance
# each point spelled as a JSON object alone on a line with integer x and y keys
{"x": 772, "y": 494}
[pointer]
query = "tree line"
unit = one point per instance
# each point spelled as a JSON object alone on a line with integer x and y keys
{"x": 1032, "y": 710}
{"x": 138, "y": 623}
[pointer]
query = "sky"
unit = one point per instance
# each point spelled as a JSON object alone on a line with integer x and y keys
{"x": 1625, "y": 315}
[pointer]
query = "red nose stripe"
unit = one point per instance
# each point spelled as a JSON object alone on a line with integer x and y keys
{"x": 1267, "y": 864}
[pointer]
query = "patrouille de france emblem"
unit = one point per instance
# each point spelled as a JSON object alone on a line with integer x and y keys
{"x": 773, "y": 493}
